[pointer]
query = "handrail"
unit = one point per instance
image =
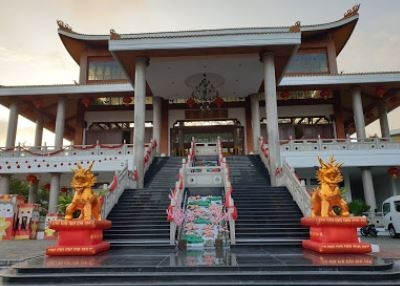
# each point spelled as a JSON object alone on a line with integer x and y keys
{"x": 287, "y": 177}
{"x": 67, "y": 150}
{"x": 176, "y": 196}
{"x": 320, "y": 144}
{"x": 114, "y": 190}
{"x": 229, "y": 202}
{"x": 123, "y": 180}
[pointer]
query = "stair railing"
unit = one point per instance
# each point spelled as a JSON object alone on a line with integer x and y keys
{"x": 229, "y": 202}
{"x": 149, "y": 153}
{"x": 287, "y": 177}
{"x": 176, "y": 197}
{"x": 192, "y": 154}
{"x": 114, "y": 190}
{"x": 264, "y": 153}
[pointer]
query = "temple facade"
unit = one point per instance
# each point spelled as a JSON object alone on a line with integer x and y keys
{"x": 239, "y": 84}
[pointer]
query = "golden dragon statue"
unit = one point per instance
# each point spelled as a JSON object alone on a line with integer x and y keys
{"x": 327, "y": 196}
{"x": 84, "y": 199}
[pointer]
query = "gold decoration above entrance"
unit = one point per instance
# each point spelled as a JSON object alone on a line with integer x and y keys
{"x": 207, "y": 114}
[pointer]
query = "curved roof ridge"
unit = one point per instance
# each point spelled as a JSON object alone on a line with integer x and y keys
{"x": 271, "y": 29}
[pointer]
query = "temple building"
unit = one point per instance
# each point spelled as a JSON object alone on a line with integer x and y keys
{"x": 236, "y": 84}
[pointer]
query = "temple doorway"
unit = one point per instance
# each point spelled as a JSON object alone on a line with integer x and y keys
{"x": 230, "y": 131}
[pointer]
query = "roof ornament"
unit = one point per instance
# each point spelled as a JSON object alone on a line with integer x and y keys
{"x": 352, "y": 12}
{"x": 64, "y": 26}
{"x": 295, "y": 28}
{"x": 114, "y": 35}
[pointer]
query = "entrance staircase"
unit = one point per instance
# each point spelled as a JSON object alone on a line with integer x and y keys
{"x": 267, "y": 218}
{"x": 266, "y": 215}
{"x": 139, "y": 218}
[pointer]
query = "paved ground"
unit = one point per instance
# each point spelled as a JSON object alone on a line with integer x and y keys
{"x": 12, "y": 251}
{"x": 17, "y": 250}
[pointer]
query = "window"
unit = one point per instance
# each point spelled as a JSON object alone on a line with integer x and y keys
{"x": 309, "y": 62}
{"x": 105, "y": 70}
{"x": 397, "y": 206}
{"x": 386, "y": 208}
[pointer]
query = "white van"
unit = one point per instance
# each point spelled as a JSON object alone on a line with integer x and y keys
{"x": 391, "y": 215}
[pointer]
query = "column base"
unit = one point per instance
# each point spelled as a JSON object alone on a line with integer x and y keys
{"x": 79, "y": 237}
{"x": 335, "y": 234}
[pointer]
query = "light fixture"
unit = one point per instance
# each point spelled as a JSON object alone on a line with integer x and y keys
{"x": 204, "y": 93}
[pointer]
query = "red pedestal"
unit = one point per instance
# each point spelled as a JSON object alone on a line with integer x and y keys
{"x": 79, "y": 237}
{"x": 335, "y": 234}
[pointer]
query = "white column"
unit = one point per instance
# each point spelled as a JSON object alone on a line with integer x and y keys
{"x": 395, "y": 190}
{"x": 54, "y": 191}
{"x": 4, "y": 184}
{"x": 358, "y": 114}
{"x": 157, "y": 101}
{"x": 255, "y": 120}
{"x": 60, "y": 122}
{"x": 33, "y": 192}
{"x": 271, "y": 109}
{"x": 347, "y": 186}
{"x": 10, "y": 143}
{"x": 383, "y": 119}
{"x": 140, "y": 109}
{"x": 12, "y": 125}
{"x": 38, "y": 132}
{"x": 368, "y": 186}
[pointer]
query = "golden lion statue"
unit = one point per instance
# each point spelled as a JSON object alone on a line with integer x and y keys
{"x": 84, "y": 199}
{"x": 327, "y": 195}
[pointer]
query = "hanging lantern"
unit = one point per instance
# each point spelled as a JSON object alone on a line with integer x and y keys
{"x": 64, "y": 190}
{"x": 394, "y": 172}
{"x": 127, "y": 100}
{"x": 46, "y": 187}
{"x": 31, "y": 179}
{"x": 86, "y": 101}
{"x": 284, "y": 95}
{"x": 218, "y": 102}
{"x": 38, "y": 103}
{"x": 324, "y": 94}
{"x": 191, "y": 102}
{"x": 380, "y": 91}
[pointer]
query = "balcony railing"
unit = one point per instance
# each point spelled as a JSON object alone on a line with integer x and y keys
{"x": 338, "y": 144}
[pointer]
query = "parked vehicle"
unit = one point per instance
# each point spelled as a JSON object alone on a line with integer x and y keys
{"x": 391, "y": 215}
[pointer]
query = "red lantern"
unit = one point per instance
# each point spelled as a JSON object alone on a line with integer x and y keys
{"x": 126, "y": 100}
{"x": 38, "y": 103}
{"x": 191, "y": 102}
{"x": 324, "y": 94}
{"x": 32, "y": 179}
{"x": 46, "y": 187}
{"x": 394, "y": 172}
{"x": 64, "y": 190}
{"x": 285, "y": 95}
{"x": 218, "y": 102}
{"x": 86, "y": 101}
{"x": 380, "y": 91}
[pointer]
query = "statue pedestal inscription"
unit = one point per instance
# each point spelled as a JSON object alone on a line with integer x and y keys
{"x": 335, "y": 234}
{"x": 79, "y": 237}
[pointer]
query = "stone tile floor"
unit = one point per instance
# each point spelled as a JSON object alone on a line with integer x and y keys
{"x": 17, "y": 251}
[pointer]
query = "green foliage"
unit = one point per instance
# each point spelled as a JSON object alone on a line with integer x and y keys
{"x": 19, "y": 187}
{"x": 358, "y": 207}
{"x": 63, "y": 202}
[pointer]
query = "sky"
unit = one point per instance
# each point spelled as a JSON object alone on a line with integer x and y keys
{"x": 31, "y": 52}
